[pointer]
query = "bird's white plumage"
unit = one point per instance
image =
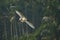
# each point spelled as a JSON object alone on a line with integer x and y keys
{"x": 23, "y": 19}
{"x": 30, "y": 24}
{"x": 19, "y": 14}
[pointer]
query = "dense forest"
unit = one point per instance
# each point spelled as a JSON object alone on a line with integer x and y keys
{"x": 43, "y": 14}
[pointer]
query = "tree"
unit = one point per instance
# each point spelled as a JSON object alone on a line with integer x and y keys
{"x": 34, "y": 10}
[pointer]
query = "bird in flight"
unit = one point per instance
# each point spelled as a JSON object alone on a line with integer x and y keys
{"x": 24, "y": 19}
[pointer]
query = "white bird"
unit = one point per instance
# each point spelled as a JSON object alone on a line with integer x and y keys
{"x": 23, "y": 19}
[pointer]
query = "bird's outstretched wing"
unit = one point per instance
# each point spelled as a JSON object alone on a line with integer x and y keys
{"x": 19, "y": 14}
{"x": 24, "y": 19}
{"x": 30, "y": 24}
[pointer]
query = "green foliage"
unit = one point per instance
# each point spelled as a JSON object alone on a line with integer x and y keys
{"x": 36, "y": 8}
